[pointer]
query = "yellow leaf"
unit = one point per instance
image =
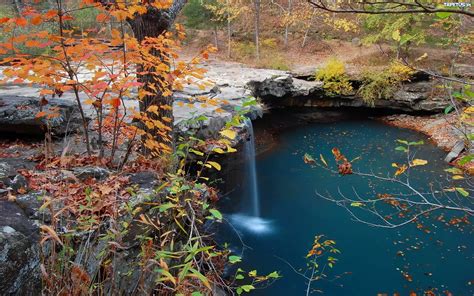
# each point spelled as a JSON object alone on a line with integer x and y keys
{"x": 458, "y": 177}
{"x": 215, "y": 165}
{"x": 230, "y": 149}
{"x": 323, "y": 160}
{"x": 229, "y": 133}
{"x": 219, "y": 150}
{"x": 401, "y": 170}
{"x": 417, "y": 162}
{"x": 396, "y": 35}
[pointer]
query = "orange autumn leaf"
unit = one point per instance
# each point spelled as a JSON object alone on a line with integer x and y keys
{"x": 51, "y": 13}
{"x": 101, "y": 17}
{"x": 41, "y": 114}
{"x": 36, "y": 20}
{"x": 115, "y": 102}
{"x": 21, "y": 21}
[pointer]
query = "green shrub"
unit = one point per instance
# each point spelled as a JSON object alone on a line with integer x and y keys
{"x": 384, "y": 84}
{"x": 334, "y": 77}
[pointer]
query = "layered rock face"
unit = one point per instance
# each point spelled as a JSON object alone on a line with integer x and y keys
{"x": 288, "y": 91}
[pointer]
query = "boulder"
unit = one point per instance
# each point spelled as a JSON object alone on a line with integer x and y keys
{"x": 9, "y": 177}
{"x": 19, "y": 252}
{"x": 83, "y": 173}
{"x": 18, "y": 116}
{"x": 455, "y": 151}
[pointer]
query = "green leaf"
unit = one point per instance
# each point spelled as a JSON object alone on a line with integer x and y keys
{"x": 416, "y": 143}
{"x": 462, "y": 191}
{"x": 442, "y": 14}
{"x": 216, "y": 214}
{"x": 401, "y": 148}
{"x": 253, "y": 273}
{"x": 273, "y": 275}
{"x": 234, "y": 259}
{"x": 166, "y": 206}
{"x": 402, "y": 141}
{"x": 239, "y": 277}
{"x": 247, "y": 288}
{"x": 448, "y": 109}
{"x": 466, "y": 159}
{"x": 356, "y": 204}
{"x": 196, "y": 294}
{"x": 249, "y": 103}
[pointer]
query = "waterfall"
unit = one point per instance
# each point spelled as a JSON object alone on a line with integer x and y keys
{"x": 251, "y": 168}
{"x": 250, "y": 220}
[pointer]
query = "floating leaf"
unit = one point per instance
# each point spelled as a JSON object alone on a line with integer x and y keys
{"x": 323, "y": 160}
{"x": 458, "y": 177}
{"x": 462, "y": 191}
{"x": 234, "y": 259}
{"x": 453, "y": 171}
{"x": 308, "y": 159}
{"x": 401, "y": 148}
{"x": 402, "y": 141}
{"x": 273, "y": 275}
{"x": 356, "y": 204}
{"x": 417, "y": 162}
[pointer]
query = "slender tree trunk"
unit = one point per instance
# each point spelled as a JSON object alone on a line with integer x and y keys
{"x": 216, "y": 37}
{"x": 229, "y": 39}
{"x": 287, "y": 24}
{"x": 152, "y": 24}
{"x": 307, "y": 29}
{"x": 257, "y": 28}
{"x": 18, "y": 6}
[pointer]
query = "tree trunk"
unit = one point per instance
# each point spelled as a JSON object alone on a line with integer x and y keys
{"x": 307, "y": 29}
{"x": 229, "y": 39}
{"x": 287, "y": 25}
{"x": 257, "y": 28}
{"x": 18, "y": 6}
{"x": 216, "y": 37}
{"x": 152, "y": 24}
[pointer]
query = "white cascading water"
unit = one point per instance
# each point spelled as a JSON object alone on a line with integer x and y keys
{"x": 251, "y": 168}
{"x": 251, "y": 220}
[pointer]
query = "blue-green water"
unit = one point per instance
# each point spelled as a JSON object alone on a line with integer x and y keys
{"x": 293, "y": 215}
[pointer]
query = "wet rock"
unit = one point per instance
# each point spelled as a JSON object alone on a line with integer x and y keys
{"x": 83, "y": 173}
{"x": 18, "y": 116}
{"x": 455, "y": 151}
{"x": 19, "y": 252}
